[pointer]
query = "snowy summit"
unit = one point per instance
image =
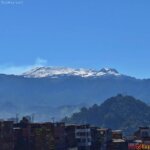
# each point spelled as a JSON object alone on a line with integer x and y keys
{"x": 41, "y": 72}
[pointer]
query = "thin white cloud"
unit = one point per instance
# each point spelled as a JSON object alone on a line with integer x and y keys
{"x": 41, "y": 62}
{"x": 17, "y": 70}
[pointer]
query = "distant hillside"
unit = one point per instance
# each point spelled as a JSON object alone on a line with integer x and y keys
{"x": 120, "y": 112}
{"x": 48, "y": 91}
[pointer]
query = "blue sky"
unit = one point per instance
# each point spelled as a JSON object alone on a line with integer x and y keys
{"x": 76, "y": 33}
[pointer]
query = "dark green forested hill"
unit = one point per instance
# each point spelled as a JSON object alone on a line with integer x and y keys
{"x": 120, "y": 112}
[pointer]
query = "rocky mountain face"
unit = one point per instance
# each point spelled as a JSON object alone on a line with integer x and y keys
{"x": 56, "y": 92}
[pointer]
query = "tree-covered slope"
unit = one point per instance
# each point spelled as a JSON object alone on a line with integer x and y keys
{"x": 120, "y": 112}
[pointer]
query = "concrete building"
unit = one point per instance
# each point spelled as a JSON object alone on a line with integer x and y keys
{"x": 60, "y": 136}
{"x": 71, "y": 140}
{"x": 105, "y": 136}
{"x": 6, "y": 135}
{"x": 83, "y": 136}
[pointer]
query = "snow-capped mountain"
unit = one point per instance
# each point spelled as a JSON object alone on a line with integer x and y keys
{"x": 40, "y": 72}
{"x": 58, "y": 91}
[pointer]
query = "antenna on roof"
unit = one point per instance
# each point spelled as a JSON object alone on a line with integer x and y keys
{"x": 17, "y": 117}
{"x": 53, "y": 119}
{"x": 32, "y": 117}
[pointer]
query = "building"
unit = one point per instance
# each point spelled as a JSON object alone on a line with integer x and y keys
{"x": 117, "y": 134}
{"x": 33, "y": 136}
{"x": 95, "y": 138}
{"x": 27, "y": 135}
{"x": 22, "y": 135}
{"x": 118, "y": 142}
{"x": 105, "y": 137}
{"x": 83, "y": 136}
{"x": 71, "y": 141}
{"x": 141, "y": 139}
{"x": 6, "y": 135}
{"x": 60, "y": 136}
{"x": 42, "y": 136}
{"x": 143, "y": 134}
{"x": 78, "y": 137}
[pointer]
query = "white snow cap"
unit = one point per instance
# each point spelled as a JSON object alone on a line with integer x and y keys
{"x": 40, "y": 72}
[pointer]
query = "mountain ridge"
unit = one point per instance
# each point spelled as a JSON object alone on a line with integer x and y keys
{"x": 40, "y": 72}
{"x": 119, "y": 112}
{"x": 48, "y": 94}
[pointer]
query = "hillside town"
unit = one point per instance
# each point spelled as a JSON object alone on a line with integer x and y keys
{"x": 27, "y": 135}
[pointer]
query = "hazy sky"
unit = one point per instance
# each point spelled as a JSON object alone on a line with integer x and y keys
{"x": 76, "y": 33}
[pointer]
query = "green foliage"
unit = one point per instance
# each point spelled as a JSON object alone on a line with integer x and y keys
{"x": 120, "y": 112}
